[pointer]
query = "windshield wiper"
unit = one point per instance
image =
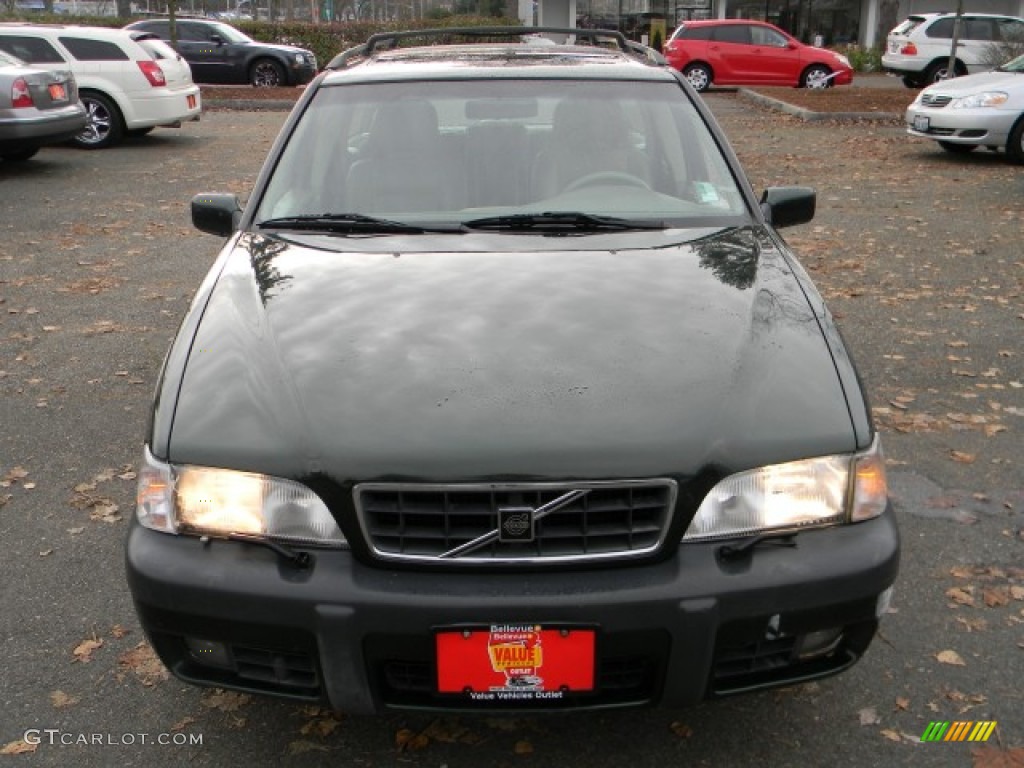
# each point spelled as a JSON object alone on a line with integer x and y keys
{"x": 345, "y": 223}
{"x": 561, "y": 221}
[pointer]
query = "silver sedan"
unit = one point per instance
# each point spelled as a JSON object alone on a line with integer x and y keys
{"x": 983, "y": 110}
{"x": 36, "y": 108}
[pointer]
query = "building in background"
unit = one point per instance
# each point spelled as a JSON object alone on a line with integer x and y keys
{"x": 830, "y": 22}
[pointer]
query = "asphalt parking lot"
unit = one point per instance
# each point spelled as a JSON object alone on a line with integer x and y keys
{"x": 919, "y": 256}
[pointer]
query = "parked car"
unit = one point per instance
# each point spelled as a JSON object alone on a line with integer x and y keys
{"x": 125, "y": 89}
{"x": 37, "y": 108}
{"x": 983, "y": 110}
{"x": 220, "y": 53}
{"x": 744, "y": 52}
{"x": 918, "y": 48}
{"x": 505, "y": 392}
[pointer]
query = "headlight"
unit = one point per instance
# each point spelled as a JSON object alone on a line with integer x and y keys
{"x": 302, "y": 58}
{"x": 987, "y": 99}
{"x": 812, "y": 493}
{"x": 221, "y": 502}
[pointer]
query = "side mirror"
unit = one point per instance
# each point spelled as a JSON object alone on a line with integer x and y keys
{"x": 216, "y": 214}
{"x": 788, "y": 206}
{"x": 217, "y": 39}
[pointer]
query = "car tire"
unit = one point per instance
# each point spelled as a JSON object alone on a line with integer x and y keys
{"x": 912, "y": 82}
{"x": 19, "y": 156}
{"x": 699, "y": 76}
{"x": 105, "y": 126}
{"x": 816, "y": 77}
{"x": 938, "y": 70}
{"x": 266, "y": 73}
{"x": 1015, "y": 144}
{"x": 957, "y": 149}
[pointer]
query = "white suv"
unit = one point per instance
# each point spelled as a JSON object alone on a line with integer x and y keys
{"x": 918, "y": 48}
{"x": 129, "y": 82}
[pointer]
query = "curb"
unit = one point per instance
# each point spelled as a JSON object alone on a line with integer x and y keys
{"x": 809, "y": 116}
{"x": 249, "y": 105}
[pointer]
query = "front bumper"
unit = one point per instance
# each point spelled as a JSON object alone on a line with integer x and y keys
{"x": 361, "y": 638}
{"x": 981, "y": 127}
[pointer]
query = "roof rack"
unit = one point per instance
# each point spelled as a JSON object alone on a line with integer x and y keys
{"x": 390, "y": 40}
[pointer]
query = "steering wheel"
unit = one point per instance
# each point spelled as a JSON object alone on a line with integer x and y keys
{"x": 617, "y": 178}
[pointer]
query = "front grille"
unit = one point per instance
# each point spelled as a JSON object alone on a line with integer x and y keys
{"x": 935, "y": 100}
{"x": 604, "y": 521}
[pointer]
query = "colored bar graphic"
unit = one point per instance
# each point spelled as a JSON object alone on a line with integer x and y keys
{"x": 959, "y": 730}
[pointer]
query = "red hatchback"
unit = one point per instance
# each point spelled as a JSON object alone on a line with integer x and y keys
{"x": 745, "y": 52}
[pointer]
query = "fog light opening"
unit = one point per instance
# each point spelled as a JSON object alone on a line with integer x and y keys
{"x": 209, "y": 653}
{"x": 814, "y": 645}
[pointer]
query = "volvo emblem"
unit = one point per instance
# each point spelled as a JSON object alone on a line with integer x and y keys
{"x": 515, "y": 524}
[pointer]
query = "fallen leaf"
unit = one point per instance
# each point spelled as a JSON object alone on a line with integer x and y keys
{"x": 960, "y": 596}
{"x": 681, "y": 729}
{"x": 117, "y": 631}
{"x": 409, "y": 741}
{"x": 182, "y": 724}
{"x": 995, "y": 596}
{"x": 891, "y": 735}
{"x": 1017, "y": 593}
{"x": 20, "y": 747}
{"x": 973, "y": 625}
{"x": 523, "y": 747}
{"x": 225, "y": 701}
{"x": 143, "y": 661}
{"x": 60, "y": 700}
{"x": 83, "y": 651}
{"x": 950, "y": 657}
{"x": 902, "y": 703}
{"x": 869, "y": 716}
{"x": 994, "y": 757}
{"x": 963, "y": 458}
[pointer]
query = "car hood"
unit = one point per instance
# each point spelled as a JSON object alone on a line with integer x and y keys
{"x": 983, "y": 81}
{"x": 286, "y": 49}
{"x": 463, "y": 366}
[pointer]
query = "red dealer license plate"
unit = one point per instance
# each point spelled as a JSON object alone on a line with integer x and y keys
{"x": 515, "y": 661}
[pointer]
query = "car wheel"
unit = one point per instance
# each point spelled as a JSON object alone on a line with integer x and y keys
{"x": 957, "y": 149}
{"x": 816, "y": 77}
{"x": 21, "y": 156}
{"x": 1015, "y": 144}
{"x": 104, "y": 126}
{"x": 939, "y": 71}
{"x": 912, "y": 82}
{"x": 699, "y": 76}
{"x": 266, "y": 73}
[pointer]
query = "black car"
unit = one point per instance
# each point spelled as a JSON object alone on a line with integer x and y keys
{"x": 504, "y": 374}
{"x": 219, "y": 53}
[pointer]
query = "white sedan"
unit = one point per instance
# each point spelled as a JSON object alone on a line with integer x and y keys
{"x": 982, "y": 110}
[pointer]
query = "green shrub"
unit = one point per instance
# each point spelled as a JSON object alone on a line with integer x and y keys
{"x": 325, "y": 40}
{"x": 861, "y": 59}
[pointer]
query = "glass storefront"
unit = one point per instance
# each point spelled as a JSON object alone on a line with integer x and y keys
{"x": 830, "y": 22}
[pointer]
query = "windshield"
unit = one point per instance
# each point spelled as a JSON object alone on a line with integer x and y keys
{"x": 451, "y": 152}
{"x": 1016, "y": 65}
